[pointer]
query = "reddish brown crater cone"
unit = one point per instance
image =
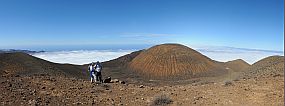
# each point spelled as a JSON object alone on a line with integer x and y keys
{"x": 173, "y": 60}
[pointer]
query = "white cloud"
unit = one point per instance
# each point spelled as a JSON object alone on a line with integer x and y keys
{"x": 225, "y": 54}
{"x": 82, "y": 56}
{"x": 222, "y": 54}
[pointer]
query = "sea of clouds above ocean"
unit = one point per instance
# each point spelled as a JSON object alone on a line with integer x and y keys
{"x": 222, "y": 54}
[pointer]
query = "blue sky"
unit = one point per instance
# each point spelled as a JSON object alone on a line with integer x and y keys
{"x": 257, "y": 24}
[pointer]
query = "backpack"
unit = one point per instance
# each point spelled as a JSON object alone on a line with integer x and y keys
{"x": 98, "y": 67}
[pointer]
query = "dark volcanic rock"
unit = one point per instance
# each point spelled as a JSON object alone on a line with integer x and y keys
{"x": 107, "y": 80}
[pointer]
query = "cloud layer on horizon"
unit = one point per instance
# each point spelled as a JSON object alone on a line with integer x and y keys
{"x": 82, "y": 56}
{"x": 222, "y": 54}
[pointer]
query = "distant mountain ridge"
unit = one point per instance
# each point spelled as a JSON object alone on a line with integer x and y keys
{"x": 18, "y": 50}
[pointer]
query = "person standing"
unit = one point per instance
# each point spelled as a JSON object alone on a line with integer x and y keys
{"x": 98, "y": 69}
{"x": 91, "y": 69}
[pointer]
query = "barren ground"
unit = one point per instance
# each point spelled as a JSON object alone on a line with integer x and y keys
{"x": 48, "y": 90}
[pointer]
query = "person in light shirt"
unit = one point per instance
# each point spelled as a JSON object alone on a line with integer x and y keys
{"x": 91, "y": 69}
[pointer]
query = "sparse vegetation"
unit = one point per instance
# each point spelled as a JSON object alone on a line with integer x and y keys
{"x": 228, "y": 83}
{"x": 161, "y": 100}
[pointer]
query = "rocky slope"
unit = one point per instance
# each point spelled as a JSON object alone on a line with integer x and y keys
{"x": 174, "y": 60}
{"x": 25, "y": 64}
{"x": 237, "y": 65}
{"x": 269, "y": 66}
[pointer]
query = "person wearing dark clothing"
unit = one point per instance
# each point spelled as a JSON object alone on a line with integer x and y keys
{"x": 98, "y": 70}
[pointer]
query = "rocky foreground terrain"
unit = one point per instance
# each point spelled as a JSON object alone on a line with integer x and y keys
{"x": 56, "y": 91}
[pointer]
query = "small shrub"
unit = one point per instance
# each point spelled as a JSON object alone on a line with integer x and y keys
{"x": 161, "y": 100}
{"x": 228, "y": 83}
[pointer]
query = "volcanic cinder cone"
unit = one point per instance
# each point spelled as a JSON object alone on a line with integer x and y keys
{"x": 167, "y": 60}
